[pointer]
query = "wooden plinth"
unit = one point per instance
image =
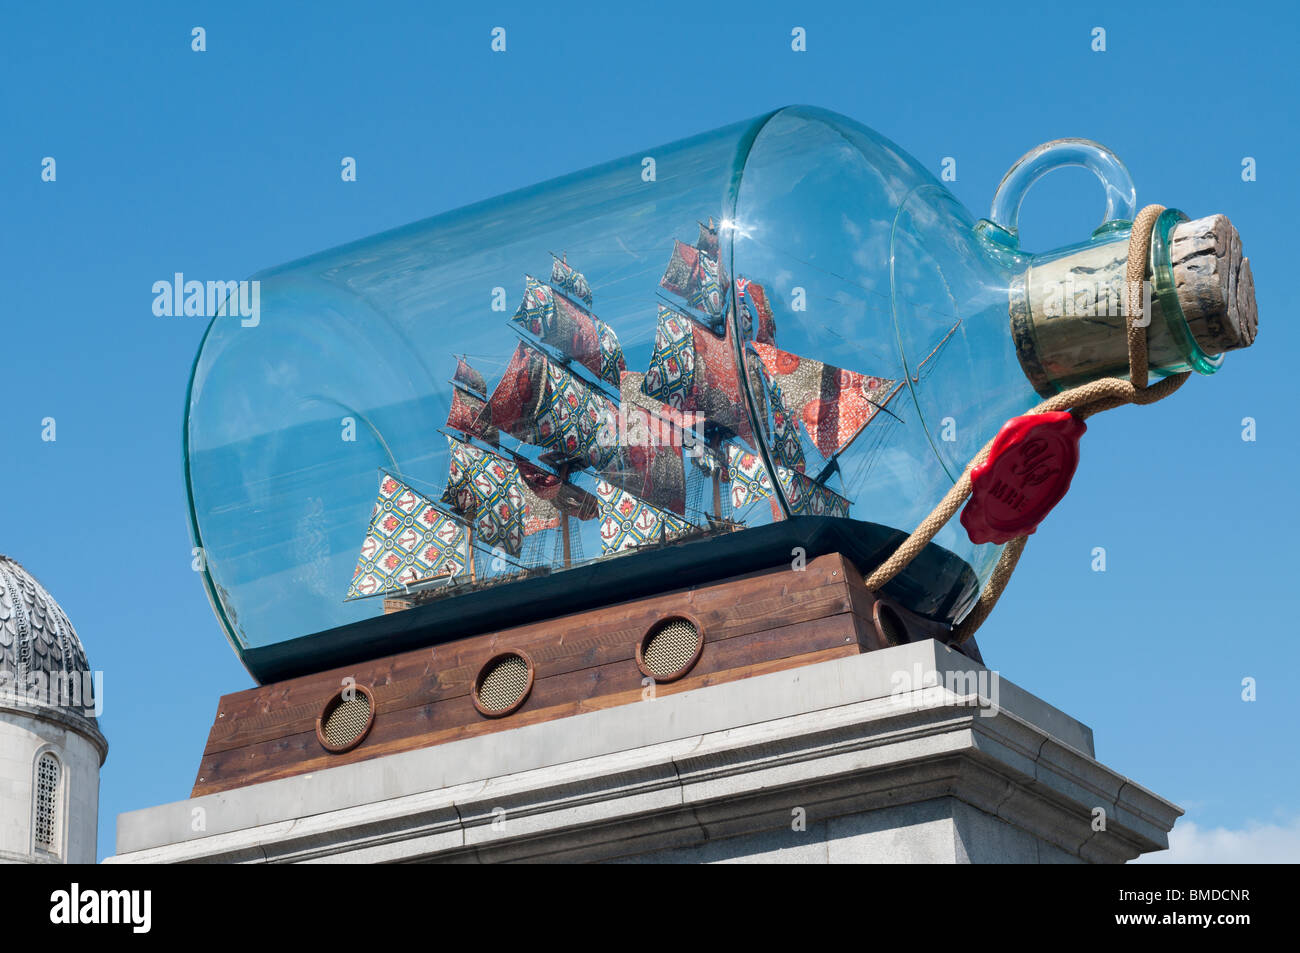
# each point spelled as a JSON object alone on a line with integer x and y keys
{"x": 752, "y": 624}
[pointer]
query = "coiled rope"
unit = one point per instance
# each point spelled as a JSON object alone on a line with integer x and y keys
{"x": 1084, "y": 401}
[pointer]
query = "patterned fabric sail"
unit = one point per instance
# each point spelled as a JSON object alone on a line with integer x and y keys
{"x": 653, "y": 436}
{"x": 708, "y": 240}
{"x": 487, "y": 490}
{"x": 627, "y": 522}
{"x": 834, "y": 404}
{"x": 470, "y": 415}
{"x": 515, "y": 402}
{"x": 410, "y": 540}
{"x": 566, "y": 327}
{"x": 749, "y": 483}
{"x": 787, "y": 449}
{"x": 570, "y": 282}
{"x": 576, "y": 421}
{"x": 755, "y": 312}
{"x": 469, "y": 378}
{"x": 540, "y": 403}
{"x": 693, "y": 275}
{"x": 693, "y": 369}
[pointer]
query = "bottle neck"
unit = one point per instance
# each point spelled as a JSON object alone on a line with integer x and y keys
{"x": 1069, "y": 310}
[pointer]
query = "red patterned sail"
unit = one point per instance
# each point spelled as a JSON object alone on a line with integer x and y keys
{"x": 654, "y": 436}
{"x": 514, "y": 403}
{"x": 694, "y": 275}
{"x": 755, "y": 311}
{"x": 470, "y": 415}
{"x": 468, "y": 377}
{"x": 693, "y": 369}
{"x": 834, "y": 404}
{"x": 570, "y": 329}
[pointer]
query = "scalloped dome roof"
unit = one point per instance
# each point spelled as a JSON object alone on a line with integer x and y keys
{"x": 35, "y": 633}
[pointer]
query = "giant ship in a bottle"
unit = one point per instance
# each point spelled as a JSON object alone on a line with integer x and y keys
{"x": 660, "y": 459}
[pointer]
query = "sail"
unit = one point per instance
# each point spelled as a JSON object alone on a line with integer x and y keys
{"x": 693, "y": 369}
{"x": 486, "y": 489}
{"x": 755, "y": 312}
{"x": 570, "y": 282}
{"x": 515, "y": 401}
{"x": 834, "y": 404}
{"x": 627, "y": 522}
{"x": 539, "y": 402}
{"x": 469, "y": 378}
{"x": 750, "y": 482}
{"x": 787, "y": 449}
{"x": 653, "y": 436}
{"x": 576, "y": 421}
{"x": 575, "y": 332}
{"x": 410, "y": 540}
{"x": 470, "y": 415}
{"x": 692, "y": 274}
{"x": 708, "y": 240}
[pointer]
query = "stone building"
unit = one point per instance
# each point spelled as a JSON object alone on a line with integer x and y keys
{"x": 51, "y": 748}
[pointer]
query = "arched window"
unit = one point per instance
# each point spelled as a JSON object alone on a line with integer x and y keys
{"x": 47, "y": 803}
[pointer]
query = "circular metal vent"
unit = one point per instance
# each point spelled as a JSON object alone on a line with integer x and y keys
{"x": 670, "y": 648}
{"x": 889, "y": 625}
{"x": 503, "y": 684}
{"x": 346, "y": 719}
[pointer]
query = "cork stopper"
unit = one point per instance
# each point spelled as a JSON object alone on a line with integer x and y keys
{"x": 1067, "y": 313}
{"x": 1214, "y": 284}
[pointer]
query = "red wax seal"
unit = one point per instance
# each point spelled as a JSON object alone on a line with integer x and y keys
{"x": 1029, "y": 469}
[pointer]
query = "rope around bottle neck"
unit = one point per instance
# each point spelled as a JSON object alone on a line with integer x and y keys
{"x": 1084, "y": 401}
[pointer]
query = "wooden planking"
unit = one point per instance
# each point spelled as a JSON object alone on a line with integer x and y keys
{"x": 456, "y": 682}
{"x": 416, "y": 724}
{"x": 422, "y": 727}
{"x": 584, "y": 640}
{"x": 759, "y": 622}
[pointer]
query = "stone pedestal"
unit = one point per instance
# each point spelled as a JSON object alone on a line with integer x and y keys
{"x": 906, "y": 754}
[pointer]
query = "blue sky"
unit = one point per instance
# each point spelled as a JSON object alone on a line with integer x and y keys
{"x": 226, "y": 162}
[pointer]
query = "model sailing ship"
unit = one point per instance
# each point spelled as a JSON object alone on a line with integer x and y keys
{"x": 567, "y": 409}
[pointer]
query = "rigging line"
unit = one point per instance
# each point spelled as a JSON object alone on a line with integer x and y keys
{"x": 869, "y": 459}
{"x": 866, "y": 460}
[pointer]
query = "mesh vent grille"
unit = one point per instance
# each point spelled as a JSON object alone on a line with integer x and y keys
{"x": 47, "y": 788}
{"x": 891, "y": 627}
{"x": 670, "y": 648}
{"x": 504, "y": 683}
{"x": 347, "y": 720}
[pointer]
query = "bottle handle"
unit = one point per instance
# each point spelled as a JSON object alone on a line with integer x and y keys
{"x": 1121, "y": 196}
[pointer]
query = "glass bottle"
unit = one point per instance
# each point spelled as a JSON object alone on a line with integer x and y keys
{"x": 790, "y": 312}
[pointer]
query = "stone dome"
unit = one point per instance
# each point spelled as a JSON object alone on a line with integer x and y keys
{"x": 36, "y": 638}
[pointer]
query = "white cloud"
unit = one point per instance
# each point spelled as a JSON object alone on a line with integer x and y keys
{"x": 1254, "y": 844}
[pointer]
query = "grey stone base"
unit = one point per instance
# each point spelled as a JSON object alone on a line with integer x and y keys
{"x": 940, "y": 831}
{"x": 829, "y": 763}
